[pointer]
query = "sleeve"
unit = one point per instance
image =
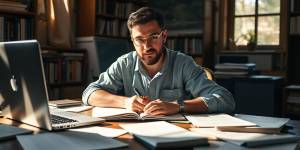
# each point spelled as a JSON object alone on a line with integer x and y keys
{"x": 217, "y": 98}
{"x": 110, "y": 80}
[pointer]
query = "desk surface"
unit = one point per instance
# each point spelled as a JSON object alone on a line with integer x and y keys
{"x": 293, "y": 128}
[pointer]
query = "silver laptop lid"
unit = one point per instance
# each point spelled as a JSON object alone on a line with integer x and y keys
{"x": 23, "y": 91}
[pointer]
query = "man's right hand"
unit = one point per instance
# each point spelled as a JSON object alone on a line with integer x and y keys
{"x": 136, "y": 103}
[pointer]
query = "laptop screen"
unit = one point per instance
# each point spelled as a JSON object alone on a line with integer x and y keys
{"x": 23, "y": 92}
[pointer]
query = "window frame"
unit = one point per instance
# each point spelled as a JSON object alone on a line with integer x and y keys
{"x": 232, "y": 17}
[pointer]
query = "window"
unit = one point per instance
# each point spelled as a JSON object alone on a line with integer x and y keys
{"x": 256, "y": 22}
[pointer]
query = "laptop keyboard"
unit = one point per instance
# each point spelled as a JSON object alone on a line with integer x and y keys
{"x": 58, "y": 119}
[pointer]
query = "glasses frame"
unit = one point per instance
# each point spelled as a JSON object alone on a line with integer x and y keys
{"x": 152, "y": 39}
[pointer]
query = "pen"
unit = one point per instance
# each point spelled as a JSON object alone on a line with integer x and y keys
{"x": 137, "y": 92}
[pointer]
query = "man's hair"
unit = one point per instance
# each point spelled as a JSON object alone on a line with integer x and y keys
{"x": 143, "y": 16}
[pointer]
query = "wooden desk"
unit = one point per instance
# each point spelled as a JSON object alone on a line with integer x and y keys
{"x": 13, "y": 144}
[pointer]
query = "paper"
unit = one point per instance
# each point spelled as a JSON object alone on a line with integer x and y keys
{"x": 161, "y": 134}
{"x": 247, "y": 139}
{"x": 215, "y": 120}
{"x": 108, "y": 132}
{"x": 264, "y": 124}
{"x": 68, "y": 140}
{"x": 77, "y": 108}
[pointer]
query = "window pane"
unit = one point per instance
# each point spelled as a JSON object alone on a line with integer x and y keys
{"x": 244, "y": 7}
{"x": 268, "y": 30}
{"x": 268, "y": 6}
{"x": 243, "y": 26}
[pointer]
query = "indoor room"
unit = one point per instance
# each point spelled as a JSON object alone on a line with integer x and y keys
{"x": 194, "y": 69}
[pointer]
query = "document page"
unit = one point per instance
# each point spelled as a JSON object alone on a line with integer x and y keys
{"x": 216, "y": 120}
{"x": 108, "y": 132}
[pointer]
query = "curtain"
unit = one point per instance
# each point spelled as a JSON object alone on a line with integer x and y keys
{"x": 53, "y": 25}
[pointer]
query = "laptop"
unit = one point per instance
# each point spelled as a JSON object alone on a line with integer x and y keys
{"x": 23, "y": 90}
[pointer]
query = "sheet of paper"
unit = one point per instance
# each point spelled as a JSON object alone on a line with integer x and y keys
{"x": 215, "y": 120}
{"x": 68, "y": 140}
{"x": 262, "y": 121}
{"x": 108, "y": 132}
{"x": 77, "y": 108}
{"x": 246, "y": 139}
{"x": 106, "y": 112}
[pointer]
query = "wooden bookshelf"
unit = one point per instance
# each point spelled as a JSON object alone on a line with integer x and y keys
{"x": 64, "y": 69}
{"x": 18, "y": 21}
{"x": 106, "y": 18}
{"x": 293, "y": 71}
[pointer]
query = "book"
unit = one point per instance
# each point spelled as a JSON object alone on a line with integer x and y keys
{"x": 8, "y": 132}
{"x": 68, "y": 140}
{"x": 115, "y": 114}
{"x": 247, "y": 139}
{"x": 217, "y": 120}
{"x": 65, "y": 103}
{"x": 264, "y": 124}
{"x": 161, "y": 135}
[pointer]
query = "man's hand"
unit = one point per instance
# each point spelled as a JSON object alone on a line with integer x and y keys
{"x": 136, "y": 103}
{"x": 159, "y": 107}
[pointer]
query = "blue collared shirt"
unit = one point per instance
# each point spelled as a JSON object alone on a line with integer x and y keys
{"x": 179, "y": 78}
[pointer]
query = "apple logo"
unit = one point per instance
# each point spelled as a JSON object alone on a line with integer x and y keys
{"x": 13, "y": 84}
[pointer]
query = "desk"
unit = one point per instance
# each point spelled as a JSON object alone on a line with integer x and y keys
{"x": 294, "y": 128}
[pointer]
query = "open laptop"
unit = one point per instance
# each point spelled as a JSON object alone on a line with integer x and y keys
{"x": 23, "y": 90}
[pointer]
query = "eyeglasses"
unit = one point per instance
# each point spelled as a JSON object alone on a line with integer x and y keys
{"x": 152, "y": 39}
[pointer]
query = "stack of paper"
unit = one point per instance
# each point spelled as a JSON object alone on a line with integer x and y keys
{"x": 161, "y": 134}
{"x": 264, "y": 124}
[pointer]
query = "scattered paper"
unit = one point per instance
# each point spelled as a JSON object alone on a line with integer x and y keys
{"x": 108, "y": 132}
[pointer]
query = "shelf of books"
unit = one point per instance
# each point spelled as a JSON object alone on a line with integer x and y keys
{"x": 64, "y": 68}
{"x": 16, "y": 20}
{"x": 190, "y": 44}
{"x": 106, "y": 18}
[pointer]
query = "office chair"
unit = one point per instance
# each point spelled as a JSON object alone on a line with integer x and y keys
{"x": 209, "y": 73}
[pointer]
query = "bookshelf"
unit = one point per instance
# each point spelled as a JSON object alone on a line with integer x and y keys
{"x": 293, "y": 72}
{"x": 105, "y": 18}
{"x": 65, "y": 72}
{"x": 17, "y": 20}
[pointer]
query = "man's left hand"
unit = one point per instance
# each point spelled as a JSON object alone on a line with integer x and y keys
{"x": 159, "y": 107}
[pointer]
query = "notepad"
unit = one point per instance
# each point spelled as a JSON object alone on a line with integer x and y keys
{"x": 68, "y": 140}
{"x": 161, "y": 134}
{"x": 112, "y": 114}
{"x": 8, "y": 132}
{"x": 217, "y": 120}
{"x": 247, "y": 139}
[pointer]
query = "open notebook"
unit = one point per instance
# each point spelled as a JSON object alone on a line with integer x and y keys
{"x": 111, "y": 114}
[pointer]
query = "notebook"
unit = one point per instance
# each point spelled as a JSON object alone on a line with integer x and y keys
{"x": 116, "y": 114}
{"x": 23, "y": 89}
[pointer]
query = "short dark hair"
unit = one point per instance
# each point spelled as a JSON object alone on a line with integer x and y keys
{"x": 143, "y": 16}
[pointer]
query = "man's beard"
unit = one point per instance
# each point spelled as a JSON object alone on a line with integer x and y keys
{"x": 154, "y": 59}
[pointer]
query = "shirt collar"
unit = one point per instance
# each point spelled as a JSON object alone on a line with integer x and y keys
{"x": 139, "y": 67}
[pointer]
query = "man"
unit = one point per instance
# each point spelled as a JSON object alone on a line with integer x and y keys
{"x": 154, "y": 79}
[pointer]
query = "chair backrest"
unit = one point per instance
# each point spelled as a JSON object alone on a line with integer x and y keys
{"x": 209, "y": 73}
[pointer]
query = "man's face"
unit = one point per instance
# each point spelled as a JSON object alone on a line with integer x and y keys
{"x": 148, "y": 40}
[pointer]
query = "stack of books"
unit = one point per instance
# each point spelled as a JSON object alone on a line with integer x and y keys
{"x": 234, "y": 69}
